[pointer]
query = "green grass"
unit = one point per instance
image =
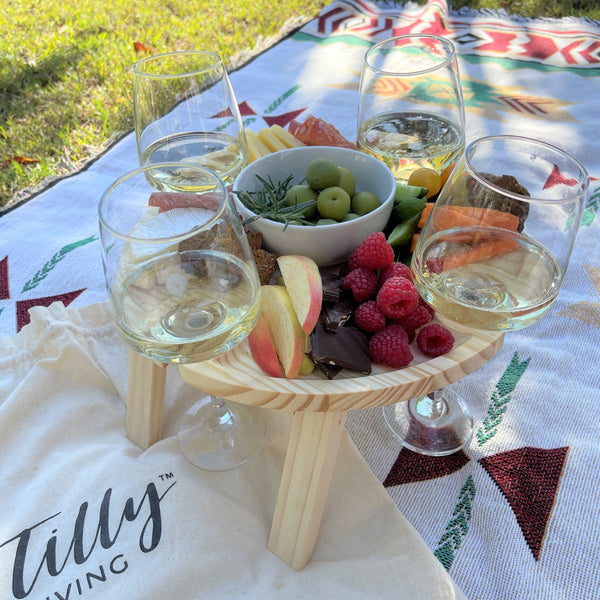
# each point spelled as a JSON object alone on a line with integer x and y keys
{"x": 65, "y": 66}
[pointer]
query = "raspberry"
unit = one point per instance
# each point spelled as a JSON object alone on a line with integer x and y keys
{"x": 374, "y": 252}
{"x": 390, "y": 347}
{"x": 434, "y": 340}
{"x": 417, "y": 318}
{"x": 354, "y": 260}
{"x": 411, "y": 333}
{"x": 396, "y": 269}
{"x": 397, "y": 298}
{"x": 363, "y": 284}
{"x": 368, "y": 317}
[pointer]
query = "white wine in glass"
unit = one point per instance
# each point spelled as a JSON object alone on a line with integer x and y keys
{"x": 411, "y": 112}
{"x": 174, "y": 307}
{"x": 185, "y": 112}
{"x": 497, "y": 244}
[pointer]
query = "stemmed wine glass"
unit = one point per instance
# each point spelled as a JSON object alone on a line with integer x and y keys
{"x": 411, "y": 110}
{"x": 185, "y": 111}
{"x": 492, "y": 256}
{"x": 184, "y": 288}
{"x": 411, "y": 117}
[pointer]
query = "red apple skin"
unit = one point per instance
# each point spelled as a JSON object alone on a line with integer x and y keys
{"x": 262, "y": 348}
{"x": 303, "y": 281}
{"x": 285, "y": 330}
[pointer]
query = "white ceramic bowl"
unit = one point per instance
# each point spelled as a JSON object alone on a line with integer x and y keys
{"x": 325, "y": 244}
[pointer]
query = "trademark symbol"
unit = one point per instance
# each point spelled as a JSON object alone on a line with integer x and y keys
{"x": 166, "y": 476}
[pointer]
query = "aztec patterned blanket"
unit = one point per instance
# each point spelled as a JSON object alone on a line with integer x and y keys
{"x": 516, "y": 515}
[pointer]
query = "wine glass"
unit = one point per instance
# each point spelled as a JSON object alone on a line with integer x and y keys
{"x": 411, "y": 110}
{"x": 184, "y": 288}
{"x": 185, "y": 111}
{"x": 411, "y": 116}
{"x": 492, "y": 256}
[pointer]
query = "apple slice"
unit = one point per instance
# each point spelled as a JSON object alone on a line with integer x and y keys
{"x": 263, "y": 349}
{"x": 284, "y": 327}
{"x": 307, "y": 366}
{"x": 303, "y": 281}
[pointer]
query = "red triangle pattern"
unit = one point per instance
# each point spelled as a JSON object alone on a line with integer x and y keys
{"x": 23, "y": 306}
{"x": 556, "y": 178}
{"x": 283, "y": 120}
{"x": 243, "y": 107}
{"x": 4, "y": 288}
{"x": 224, "y": 113}
{"x": 529, "y": 479}
{"x": 410, "y": 467}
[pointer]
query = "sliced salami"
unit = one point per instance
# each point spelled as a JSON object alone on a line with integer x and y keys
{"x": 168, "y": 200}
{"x": 317, "y": 132}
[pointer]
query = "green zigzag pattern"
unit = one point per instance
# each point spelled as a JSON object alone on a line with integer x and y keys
{"x": 500, "y": 399}
{"x": 51, "y": 264}
{"x": 458, "y": 526}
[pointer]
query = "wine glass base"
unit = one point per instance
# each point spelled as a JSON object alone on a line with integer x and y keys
{"x": 440, "y": 434}
{"x": 223, "y": 439}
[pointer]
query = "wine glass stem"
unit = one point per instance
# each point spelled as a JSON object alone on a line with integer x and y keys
{"x": 431, "y": 405}
{"x": 220, "y": 411}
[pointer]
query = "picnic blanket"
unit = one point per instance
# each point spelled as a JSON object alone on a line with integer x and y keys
{"x": 516, "y": 514}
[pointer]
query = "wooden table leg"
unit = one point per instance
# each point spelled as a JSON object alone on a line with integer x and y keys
{"x": 145, "y": 400}
{"x": 311, "y": 455}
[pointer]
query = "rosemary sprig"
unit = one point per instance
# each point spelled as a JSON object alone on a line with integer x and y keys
{"x": 269, "y": 203}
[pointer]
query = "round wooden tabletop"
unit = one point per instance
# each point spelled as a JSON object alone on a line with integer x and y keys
{"x": 235, "y": 376}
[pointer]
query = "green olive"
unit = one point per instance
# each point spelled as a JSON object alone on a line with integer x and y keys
{"x": 299, "y": 194}
{"x": 326, "y": 222}
{"x": 364, "y": 202}
{"x": 347, "y": 181}
{"x": 350, "y": 216}
{"x": 322, "y": 173}
{"x": 333, "y": 203}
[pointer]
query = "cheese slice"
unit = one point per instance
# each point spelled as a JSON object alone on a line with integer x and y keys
{"x": 286, "y": 137}
{"x": 256, "y": 148}
{"x": 271, "y": 140}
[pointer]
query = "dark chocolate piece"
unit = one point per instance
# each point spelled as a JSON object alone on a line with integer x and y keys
{"x": 347, "y": 348}
{"x": 332, "y": 285}
{"x": 330, "y": 371}
{"x": 337, "y": 314}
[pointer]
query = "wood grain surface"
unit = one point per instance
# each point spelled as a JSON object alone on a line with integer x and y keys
{"x": 235, "y": 376}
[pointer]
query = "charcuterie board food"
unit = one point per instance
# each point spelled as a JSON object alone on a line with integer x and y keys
{"x": 316, "y": 354}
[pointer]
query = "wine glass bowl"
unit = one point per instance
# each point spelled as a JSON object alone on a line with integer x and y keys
{"x": 411, "y": 110}
{"x": 497, "y": 244}
{"x": 185, "y": 111}
{"x": 179, "y": 272}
